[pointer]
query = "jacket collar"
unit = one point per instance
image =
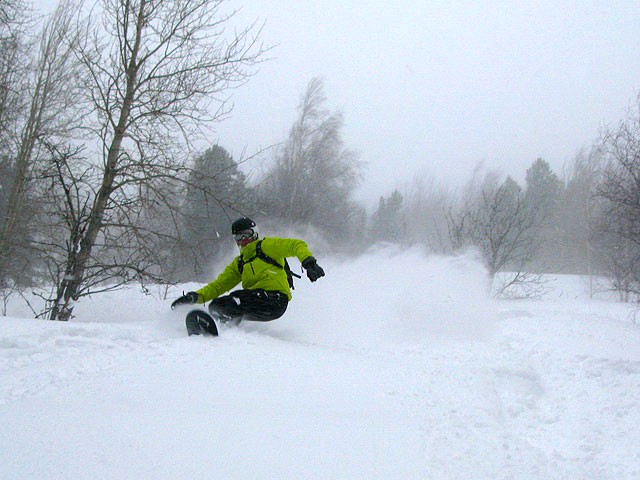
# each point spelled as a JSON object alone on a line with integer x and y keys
{"x": 249, "y": 248}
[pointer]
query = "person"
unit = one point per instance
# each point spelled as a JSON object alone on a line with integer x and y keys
{"x": 262, "y": 269}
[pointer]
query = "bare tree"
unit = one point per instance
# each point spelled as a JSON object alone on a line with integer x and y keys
{"x": 495, "y": 220}
{"x": 13, "y": 26}
{"x": 137, "y": 239}
{"x": 314, "y": 174}
{"x": 49, "y": 91}
{"x": 67, "y": 183}
{"x": 156, "y": 72}
{"x": 12, "y": 70}
{"x": 618, "y": 238}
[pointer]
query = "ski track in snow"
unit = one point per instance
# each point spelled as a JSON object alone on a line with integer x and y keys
{"x": 533, "y": 389}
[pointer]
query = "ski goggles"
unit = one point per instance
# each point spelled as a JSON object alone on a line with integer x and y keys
{"x": 244, "y": 234}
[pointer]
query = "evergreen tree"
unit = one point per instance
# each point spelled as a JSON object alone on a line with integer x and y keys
{"x": 543, "y": 188}
{"x": 387, "y": 223}
{"x": 543, "y": 193}
{"x": 216, "y": 189}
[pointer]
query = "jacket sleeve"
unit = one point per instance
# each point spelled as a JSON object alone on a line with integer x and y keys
{"x": 286, "y": 247}
{"x": 228, "y": 279}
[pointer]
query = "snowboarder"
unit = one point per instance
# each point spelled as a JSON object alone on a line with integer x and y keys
{"x": 266, "y": 281}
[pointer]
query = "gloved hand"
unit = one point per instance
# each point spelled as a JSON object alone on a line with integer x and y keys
{"x": 314, "y": 271}
{"x": 188, "y": 299}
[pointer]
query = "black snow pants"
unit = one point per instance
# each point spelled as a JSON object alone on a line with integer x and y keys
{"x": 255, "y": 305}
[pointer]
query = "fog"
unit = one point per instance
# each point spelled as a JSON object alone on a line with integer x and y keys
{"x": 432, "y": 88}
{"x": 436, "y": 87}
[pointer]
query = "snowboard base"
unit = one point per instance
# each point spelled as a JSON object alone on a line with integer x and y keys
{"x": 199, "y": 322}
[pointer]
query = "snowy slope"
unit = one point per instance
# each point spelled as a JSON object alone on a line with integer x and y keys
{"x": 394, "y": 366}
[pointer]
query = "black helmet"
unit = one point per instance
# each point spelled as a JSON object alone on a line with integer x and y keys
{"x": 244, "y": 231}
{"x": 244, "y": 223}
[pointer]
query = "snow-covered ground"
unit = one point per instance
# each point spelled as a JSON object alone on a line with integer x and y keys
{"x": 393, "y": 366}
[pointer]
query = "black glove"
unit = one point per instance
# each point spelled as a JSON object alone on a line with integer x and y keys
{"x": 188, "y": 299}
{"x": 314, "y": 271}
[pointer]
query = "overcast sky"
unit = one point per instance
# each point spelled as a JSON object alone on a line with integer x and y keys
{"x": 436, "y": 87}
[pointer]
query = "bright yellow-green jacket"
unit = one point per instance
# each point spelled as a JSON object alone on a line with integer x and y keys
{"x": 257, "y": 273}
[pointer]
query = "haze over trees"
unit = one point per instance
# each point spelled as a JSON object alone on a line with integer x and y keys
{"x": 313, "y": 176}
{"x": 107, "y": 174}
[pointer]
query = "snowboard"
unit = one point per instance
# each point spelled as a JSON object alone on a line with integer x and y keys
{"x": 199, "y": 322}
